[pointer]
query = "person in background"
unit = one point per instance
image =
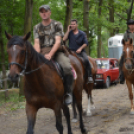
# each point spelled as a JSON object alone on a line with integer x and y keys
{"x": 77, "y": 43}
{"x": 128, "y": 35}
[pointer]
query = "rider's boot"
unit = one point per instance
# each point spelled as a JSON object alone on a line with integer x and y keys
{"x": 90, "y": 77}
{"x": 121, "y": 75}
{"x": 68, "y": 88}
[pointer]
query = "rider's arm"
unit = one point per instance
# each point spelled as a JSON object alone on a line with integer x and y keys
{"x": 37, "y": 45}
{"x": 36, "y": 39}
{"x": 56, "y": 45}
{"x": 66, "y": 34}
{"x": 58, "y": 36}
{"x": 84, "y": 44}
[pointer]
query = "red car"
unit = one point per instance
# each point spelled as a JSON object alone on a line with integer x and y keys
{"x": 107, "y": 71}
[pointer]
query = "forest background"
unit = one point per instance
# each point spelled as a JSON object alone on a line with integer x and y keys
{"x": 100, "y": 19}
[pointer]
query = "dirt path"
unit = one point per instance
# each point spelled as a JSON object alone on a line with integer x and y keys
{"x": 111, "y": 116}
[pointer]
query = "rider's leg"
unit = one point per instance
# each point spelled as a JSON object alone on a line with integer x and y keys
{"x": 68, "y": 76}
{"x": 88, "y": 66}
{"x": 121, "y": 75}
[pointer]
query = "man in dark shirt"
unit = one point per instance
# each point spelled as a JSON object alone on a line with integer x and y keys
{"x": 77, "y": 42}
{"x": 128, "y": 35}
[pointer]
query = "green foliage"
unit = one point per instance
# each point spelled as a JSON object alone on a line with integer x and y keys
{"x": 13, "y": 14}
{"x": 12, "y": 103}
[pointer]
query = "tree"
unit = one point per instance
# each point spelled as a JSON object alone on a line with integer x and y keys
{"x": 86, "y": 21}
{"x": 28, "y": 16}
{"x": 111, "y": 15}
{"x": 99, "y": 30}
{"x": 3, "y": 58}
{"x": 68, "y": 15}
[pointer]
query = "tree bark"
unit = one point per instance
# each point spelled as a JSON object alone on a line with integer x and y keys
{"x": 99, "y": 30}
{"x": 129, "y": 11}
{"x": 68, "y": 16}
{"x": 86, "y": 22}
{"x": 3, "y": 59}
{"x": 111, "y": 16}
{"x": 28, "y": 16}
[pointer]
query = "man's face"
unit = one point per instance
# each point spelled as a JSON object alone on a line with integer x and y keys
{"x": 131, "y": 27}
{"x": 73, "y": 25}
{"x": 45, "y": 14}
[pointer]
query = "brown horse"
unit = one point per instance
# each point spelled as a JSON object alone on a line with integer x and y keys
{"x": 43, "y": 87}
{"x": 128, "y": 68}
{"x": 88, "y": 87}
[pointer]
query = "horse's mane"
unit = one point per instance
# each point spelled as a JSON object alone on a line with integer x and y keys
{"x": 35, "y": 56}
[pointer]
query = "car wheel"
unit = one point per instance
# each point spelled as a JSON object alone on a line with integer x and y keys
{"x": 107, "y": 84}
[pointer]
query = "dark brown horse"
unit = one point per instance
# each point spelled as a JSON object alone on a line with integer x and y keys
{"x": 128, "y": 68}
{"x": 43, "y": 87}
{"x": 88, "y": 87}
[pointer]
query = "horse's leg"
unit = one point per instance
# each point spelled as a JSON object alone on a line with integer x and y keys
{"x": 67, "y": 115}
{"x": 129, "y": 85}
{"x": 31, "y": 112}
{"x": 74, "y": 110}
{"x": 79, "y": 106}
{"x": 58, "y": 115}
{"x": 90, "y": 101}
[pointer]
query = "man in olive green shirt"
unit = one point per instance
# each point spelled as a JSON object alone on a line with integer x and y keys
{"x": 128, "y": 35}
{"x": 47, "y": 40}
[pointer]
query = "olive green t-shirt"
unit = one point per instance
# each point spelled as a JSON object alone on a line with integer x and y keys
{"x": 46, "y": 34}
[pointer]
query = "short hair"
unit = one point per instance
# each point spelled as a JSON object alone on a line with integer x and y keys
{"x": 75, "y": 20}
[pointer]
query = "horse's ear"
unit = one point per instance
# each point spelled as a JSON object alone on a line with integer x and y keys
{"x": 123, "y": 41}
{"x": 131, "y": 41}
{"x": 26, "y": 37}
{"x": 8, "y": 35}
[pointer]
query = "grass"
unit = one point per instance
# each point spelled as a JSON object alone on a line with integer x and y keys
{"x": 13, "y": 102}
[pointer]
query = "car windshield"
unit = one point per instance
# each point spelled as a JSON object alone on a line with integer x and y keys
{"x": 102, "y": 64}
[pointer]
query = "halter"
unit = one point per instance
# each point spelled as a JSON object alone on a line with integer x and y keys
{"x": 23, "y": 72}
{"x": 132, "y": 60}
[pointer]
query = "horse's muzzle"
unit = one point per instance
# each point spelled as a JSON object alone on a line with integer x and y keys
{"x": 13, "y": 78}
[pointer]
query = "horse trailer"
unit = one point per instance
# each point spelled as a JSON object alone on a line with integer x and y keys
{"x": 115, "y": 46}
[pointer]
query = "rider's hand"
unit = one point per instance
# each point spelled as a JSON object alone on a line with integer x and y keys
{"x": 48, "y": 56}
{"x": 79, "y": 50}
{"x": 69, "y": 28}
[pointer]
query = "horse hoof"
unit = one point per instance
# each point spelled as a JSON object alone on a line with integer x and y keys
{"x": 85, "y": 132}
{"x": 89, "y": 114}
{"x": 132, "y": 112}
{"x": 92, "y": 107}
{"x": 74, "y": 120}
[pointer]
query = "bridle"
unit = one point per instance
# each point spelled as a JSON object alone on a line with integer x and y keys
{"x": 23, "y": 72}
{"x": 132, "y": 60}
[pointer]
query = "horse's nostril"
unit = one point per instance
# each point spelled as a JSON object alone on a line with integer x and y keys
{"x": 16, "y": 76}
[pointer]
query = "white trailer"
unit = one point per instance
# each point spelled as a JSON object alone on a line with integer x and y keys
{"x": 115, "y": 46}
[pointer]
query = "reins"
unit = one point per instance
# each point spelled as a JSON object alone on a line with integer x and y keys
{"x": 23, "y": 72}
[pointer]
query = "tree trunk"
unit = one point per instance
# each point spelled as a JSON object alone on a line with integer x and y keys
{"x": 3, "y": 59}
{"x": 86, "y": 22}
{"x": 99, "y": 31}
{"x": 27, "y": 28}
{"x": 28, "y": 16}
{"x": 111, "y": 15}
{"x": 68, "y": 16}
{"x": 129, "y": 11}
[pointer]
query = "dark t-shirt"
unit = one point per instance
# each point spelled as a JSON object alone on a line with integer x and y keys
{"x": 76, "y": 41}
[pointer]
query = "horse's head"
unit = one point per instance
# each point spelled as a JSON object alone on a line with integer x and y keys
{"x": 17, "y": 55}
{"x": 128, "y": 53}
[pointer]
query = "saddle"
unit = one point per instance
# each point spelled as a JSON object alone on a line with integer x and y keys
{"x": 55, "y": 63}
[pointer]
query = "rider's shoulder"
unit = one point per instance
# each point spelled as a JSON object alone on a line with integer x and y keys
{"x": 55, "y": 22}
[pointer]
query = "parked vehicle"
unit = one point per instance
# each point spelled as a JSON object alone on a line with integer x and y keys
{"x": 107, "y": 71}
